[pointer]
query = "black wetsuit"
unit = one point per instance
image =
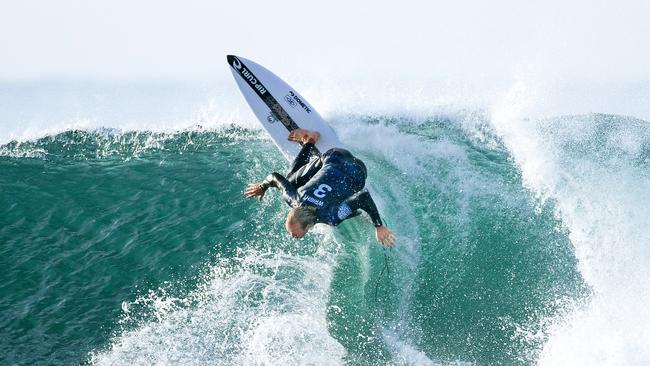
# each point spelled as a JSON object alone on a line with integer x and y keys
{"x": 332, "y": 183}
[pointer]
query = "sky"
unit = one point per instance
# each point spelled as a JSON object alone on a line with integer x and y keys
{"x": 172, "y": 40}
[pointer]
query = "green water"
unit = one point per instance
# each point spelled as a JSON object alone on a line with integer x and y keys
{"x": 136, "y": 248}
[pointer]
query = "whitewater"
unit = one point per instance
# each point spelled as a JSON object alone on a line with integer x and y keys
{"x": 520, "y": 211}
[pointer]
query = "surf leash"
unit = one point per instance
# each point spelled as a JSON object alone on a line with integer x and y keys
{"x": 386, "y": 269}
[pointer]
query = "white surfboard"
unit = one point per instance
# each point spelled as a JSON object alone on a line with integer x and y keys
{"x": 279, "y": 107}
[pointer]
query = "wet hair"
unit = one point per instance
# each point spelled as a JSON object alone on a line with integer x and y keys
{"x": 305, "y": 215}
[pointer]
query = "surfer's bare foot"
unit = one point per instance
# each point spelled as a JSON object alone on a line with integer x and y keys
{"x": 304, "y": 136}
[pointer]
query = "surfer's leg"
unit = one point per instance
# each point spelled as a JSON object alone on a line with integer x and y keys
{"x": 306, "y": 153}
{"x": 357, "y": 170}
{"x": 304, "y": 136}
{"x": 354, "y": 170}
{"x": 359, "y": 175}
{"x": 305, "y": 172}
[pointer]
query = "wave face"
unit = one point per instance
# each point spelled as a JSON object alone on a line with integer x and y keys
{"x": 125, "y": 239}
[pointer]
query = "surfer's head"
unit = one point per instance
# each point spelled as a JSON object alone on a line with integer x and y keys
{"x": 300, "y": 220}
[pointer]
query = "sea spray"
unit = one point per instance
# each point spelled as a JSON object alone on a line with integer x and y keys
{"x": 254, "y": 308}
{"x": 595, "y": 168}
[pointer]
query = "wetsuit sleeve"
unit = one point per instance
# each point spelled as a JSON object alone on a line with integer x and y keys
{"x": 363, "y": 200}
{"x": 278, "y": 181}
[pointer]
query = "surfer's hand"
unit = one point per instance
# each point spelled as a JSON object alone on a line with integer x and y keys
{"x": 255, "y": 190}
{"x": 385, "y": 236}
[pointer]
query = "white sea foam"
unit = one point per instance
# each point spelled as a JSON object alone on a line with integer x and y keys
{"x": 602, "y": 197}
{"x": 260, "y": 308}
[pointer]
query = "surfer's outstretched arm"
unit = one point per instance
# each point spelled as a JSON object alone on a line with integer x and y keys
{"x": 363, "y": 201}
{"x": 278, "y": 181}
{"x": 273, "y": 180}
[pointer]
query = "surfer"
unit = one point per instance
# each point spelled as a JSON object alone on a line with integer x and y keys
{"x": 322, "y": 188}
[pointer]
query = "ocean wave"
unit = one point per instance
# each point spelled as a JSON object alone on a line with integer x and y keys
{"x": 514, "y": 235}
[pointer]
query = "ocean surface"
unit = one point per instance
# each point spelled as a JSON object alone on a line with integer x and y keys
{"x": 125, "y": 239}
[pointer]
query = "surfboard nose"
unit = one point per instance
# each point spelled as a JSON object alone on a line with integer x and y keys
{"x": 234, "y": 62}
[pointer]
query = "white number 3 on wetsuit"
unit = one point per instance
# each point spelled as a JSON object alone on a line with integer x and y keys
{"x": 322, "y": 190}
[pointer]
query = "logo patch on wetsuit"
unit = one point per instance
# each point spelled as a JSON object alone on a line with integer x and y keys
{"x": 344, "y": 211}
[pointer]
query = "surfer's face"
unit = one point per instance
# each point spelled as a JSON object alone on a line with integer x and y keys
{"x": 295, "y": 228}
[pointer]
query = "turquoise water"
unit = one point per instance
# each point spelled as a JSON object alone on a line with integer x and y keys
{"x": 138, "y": 247}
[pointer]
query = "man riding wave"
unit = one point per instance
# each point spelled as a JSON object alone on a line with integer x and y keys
{"x": 322, "y": 188}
